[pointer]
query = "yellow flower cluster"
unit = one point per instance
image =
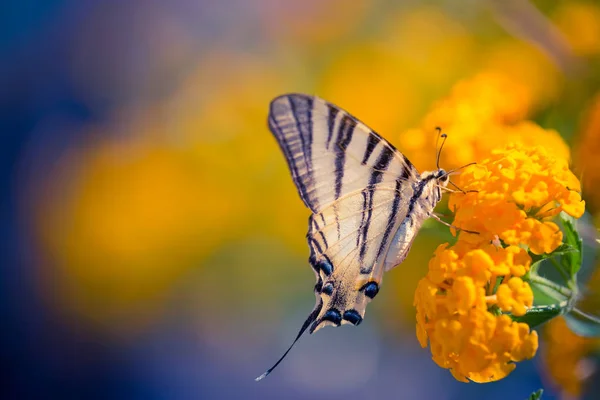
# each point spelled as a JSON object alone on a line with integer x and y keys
{"x": 458, "y": 312}
{"x": 566, "y": 356}
{"x": 463, "y": 302}
{"x": 480, "y": 114}
{"x": 515, "y": 193}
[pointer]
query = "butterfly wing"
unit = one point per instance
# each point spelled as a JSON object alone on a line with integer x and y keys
{"x": 357, "y": 185}
{"x": 329, "y": 152}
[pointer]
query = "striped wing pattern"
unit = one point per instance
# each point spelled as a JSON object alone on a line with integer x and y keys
{"x": 357, "y": 186}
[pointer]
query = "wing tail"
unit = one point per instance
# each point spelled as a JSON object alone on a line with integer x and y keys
{"x": 311, "y": 318}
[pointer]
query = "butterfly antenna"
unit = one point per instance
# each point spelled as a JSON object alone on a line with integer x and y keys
{"x": 455, "y": 185}
{"x": 311, "y": 318}
{"x": 443, "y": 136}
{"x": 459, "y": 168}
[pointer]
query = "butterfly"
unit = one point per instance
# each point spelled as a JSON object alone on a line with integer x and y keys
{"x": 367, "y": 199}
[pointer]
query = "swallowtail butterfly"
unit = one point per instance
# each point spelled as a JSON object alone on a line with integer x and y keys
{"x": 367, "y": 200}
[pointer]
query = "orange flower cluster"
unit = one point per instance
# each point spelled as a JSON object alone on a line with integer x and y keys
{"x": 517, "y": 190}
{"x": 459, "y": 313}
{"x": 464, "y": 301}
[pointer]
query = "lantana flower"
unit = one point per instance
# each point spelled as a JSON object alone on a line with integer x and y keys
{"x": 514, "y": 194}
{"x": 467, "y": 303}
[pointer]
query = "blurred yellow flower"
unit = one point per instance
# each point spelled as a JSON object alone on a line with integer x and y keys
{"x": 393, "y": 73}
{"x": 434, "y": 49}
{"x": 566, "y": 356}
{"x": 370, "y": 82}
{"x": 580, "y": 23}
{"x": 158, "y": 196}
{"x": 586, "y": 150}
{"x": 131, "y": 222}
{"x": 480, "y": 114}
{"x": 526, "y": 64}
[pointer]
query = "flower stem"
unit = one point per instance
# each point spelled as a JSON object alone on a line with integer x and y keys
{"x": 554, "y": 287}
{"x": 586, "y": 316}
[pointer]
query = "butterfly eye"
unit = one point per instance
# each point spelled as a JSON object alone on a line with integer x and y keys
{"x": 370, "y": 289}
{"x": 327, "y": 289}
{"x": 333, "y": 315}
{"x": 353, "y": 317}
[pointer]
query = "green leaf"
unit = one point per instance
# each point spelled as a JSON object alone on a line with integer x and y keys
{"x": 560, "y": 250}
{"x": 566, "y": 259}
{"x": 544, "y": 297}
{"x": 537, "y": 315}
{"x": 538, "y": 259}
{"x": 571, "y": 260}
{"x": 537, "y": 395}
{"x": 589, "y": 250}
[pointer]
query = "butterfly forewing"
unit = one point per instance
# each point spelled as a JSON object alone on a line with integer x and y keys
{"x": 329, "y": 152}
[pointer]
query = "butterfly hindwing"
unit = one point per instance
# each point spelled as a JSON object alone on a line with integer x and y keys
{"x": 348, "y": 264}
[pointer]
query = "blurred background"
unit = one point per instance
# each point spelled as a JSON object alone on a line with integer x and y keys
{"x": 153, "y": 243}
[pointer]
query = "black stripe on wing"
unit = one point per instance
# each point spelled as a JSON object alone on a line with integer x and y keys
{"x": 295, "y": 140}
{"x": 315, "y": 227}
{"x": 383, "y": 161}
{"x": 374, "y": 139}
{"x": 312, "y": 132}
{"x": 391, "y": 219}
{"x": 344, "y": 137}
{"x": 332, "y": 113}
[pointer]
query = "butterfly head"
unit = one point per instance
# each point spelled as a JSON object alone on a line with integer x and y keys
{"x": 442, "y": 177}
{"x": 429, "y": 188}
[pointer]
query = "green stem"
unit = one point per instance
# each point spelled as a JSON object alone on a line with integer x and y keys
{"x": 553, "y": 286}
{"x": 586, "y": 316}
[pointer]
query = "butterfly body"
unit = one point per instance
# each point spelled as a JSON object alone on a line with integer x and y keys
{"x": 367, "y": 200}
{"x": 427, "y": 194}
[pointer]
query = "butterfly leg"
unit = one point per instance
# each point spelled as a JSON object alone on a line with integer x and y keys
{"x": 459, "y": 189}
{"x": 452, "y": 226}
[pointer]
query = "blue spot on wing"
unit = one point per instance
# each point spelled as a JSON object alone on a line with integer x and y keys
{"x": 325, "y": 266}
{"x": 353, "y": 317}
{"x": 333, "y": 315}
{"x": 327, "y": 289}
{"x": 370, "y": 289}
